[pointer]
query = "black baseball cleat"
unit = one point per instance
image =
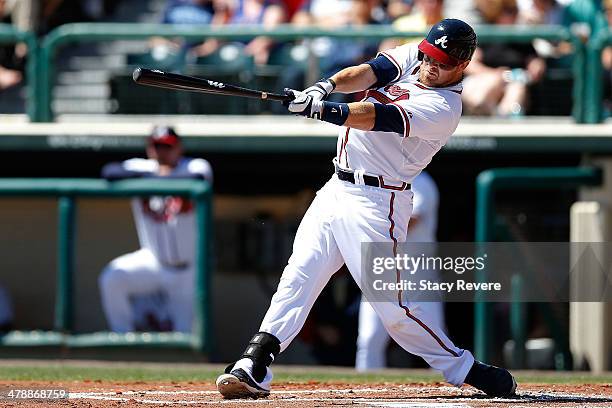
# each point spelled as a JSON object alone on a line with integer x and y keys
{"x": 239, "y": 384}
{"x": 493, "y": 381}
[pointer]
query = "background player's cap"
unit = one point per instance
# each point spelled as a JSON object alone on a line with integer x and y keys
{"x": 450, "y": 42}
{"x": 164, "y": 135}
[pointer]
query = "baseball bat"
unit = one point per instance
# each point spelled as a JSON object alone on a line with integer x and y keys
{"x": 168, "y": 80}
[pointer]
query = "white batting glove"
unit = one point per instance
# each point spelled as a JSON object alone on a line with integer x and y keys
{"x": 305, "y": 105}
{"x": 321, "y": 90}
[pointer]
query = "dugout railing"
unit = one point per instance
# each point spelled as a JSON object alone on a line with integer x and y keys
{"x": 67, "y": 191}
{"x": 488, "y": 183}
{"x": 43, "y": 62}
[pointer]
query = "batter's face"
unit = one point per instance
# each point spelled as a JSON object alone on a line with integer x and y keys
{"x": 435, "y": 74}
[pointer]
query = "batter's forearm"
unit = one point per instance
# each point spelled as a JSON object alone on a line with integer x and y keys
{"x": 354, "y": 79}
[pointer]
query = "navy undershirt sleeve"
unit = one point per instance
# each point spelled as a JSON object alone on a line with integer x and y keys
{"x": 384, "y": 70}
{"x": 388, "y": 119}
{"x": 116, "y": 171}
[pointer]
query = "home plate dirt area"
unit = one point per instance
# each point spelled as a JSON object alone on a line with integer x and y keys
{"x": 313, "y": 394}
{"x": 90, "y": 383}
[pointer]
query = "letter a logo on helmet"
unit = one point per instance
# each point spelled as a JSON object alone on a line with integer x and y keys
{"x": 441, "y": 41}
{"x": 450, "y": 42}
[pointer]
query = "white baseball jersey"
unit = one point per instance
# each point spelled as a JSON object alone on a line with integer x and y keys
{"x": 430, "y": 117}
{"x": 166, "y": 225}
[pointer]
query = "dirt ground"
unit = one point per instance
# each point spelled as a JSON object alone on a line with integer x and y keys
{"x": 418, "y": 395}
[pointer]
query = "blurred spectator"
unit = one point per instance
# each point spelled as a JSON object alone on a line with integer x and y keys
{"x": 292, "y": 6}
{"x": 398, "y": 8}
{"x": 42, "y": 16}
{"x": 344, "y": 53}
{"x": 425, "y": 14}
{"x": 547, "y": 12}
{"x": 542, "y": 12}
{"x": 323, "y": 13}
{"x": 499, "y": 74}
{"x": 266, "y": 13}
{"x": 153, "y": 288}
{"x": 188, "y": 12}
{"x": 464, "y": 10}
{"x": 606, "y": 59}
{"x": 11, "y": 65}
{"x": 336, "y": 54}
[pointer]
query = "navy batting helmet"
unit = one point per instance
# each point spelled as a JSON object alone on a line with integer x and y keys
{"x": 450, "y": 42}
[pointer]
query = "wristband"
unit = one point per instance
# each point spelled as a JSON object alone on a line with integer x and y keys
{"x": 336, "y": 113}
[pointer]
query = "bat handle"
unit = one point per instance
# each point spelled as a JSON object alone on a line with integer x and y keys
{"x": 287, "y": 97}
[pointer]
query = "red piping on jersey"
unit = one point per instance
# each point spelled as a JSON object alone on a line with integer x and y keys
{"x": 406, "y": 122}
{"x": 343, "y": 147}
{"x": 398, "y": 279}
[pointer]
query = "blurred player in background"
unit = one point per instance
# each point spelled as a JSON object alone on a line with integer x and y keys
{"x": 372, "y": 340}
{"x": 152, "y": 288}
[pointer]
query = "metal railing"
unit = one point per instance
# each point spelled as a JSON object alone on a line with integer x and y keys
{"x": 488, "y": 183}
{"x": 67, "y": 190}
{"x": 594, "y": 90}
{"x": 10, "y": 35}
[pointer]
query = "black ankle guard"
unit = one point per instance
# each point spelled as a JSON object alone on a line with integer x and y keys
{"x": 262, "y": 349}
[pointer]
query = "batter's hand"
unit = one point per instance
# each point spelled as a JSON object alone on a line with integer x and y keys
{"x": 304, "y": 104}
{"x": 321, "y": 90}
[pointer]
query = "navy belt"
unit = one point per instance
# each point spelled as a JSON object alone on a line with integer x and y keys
{"x": 373, "y": 181}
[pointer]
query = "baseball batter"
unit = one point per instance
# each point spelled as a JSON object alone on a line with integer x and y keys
{"x": 372, "y": 338}
{"x": 165, "y": 262}
{"x": 411, "y": 109}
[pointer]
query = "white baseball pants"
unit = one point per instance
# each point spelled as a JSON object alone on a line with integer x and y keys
{"x": 372, "y": 338}
{"x": 140, "y": 273}
{"x": 340, "y": 218}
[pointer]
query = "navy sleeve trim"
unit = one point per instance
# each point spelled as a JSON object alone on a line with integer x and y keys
{"x": 385, "y": 69}
{"x": 388, "y": 119}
